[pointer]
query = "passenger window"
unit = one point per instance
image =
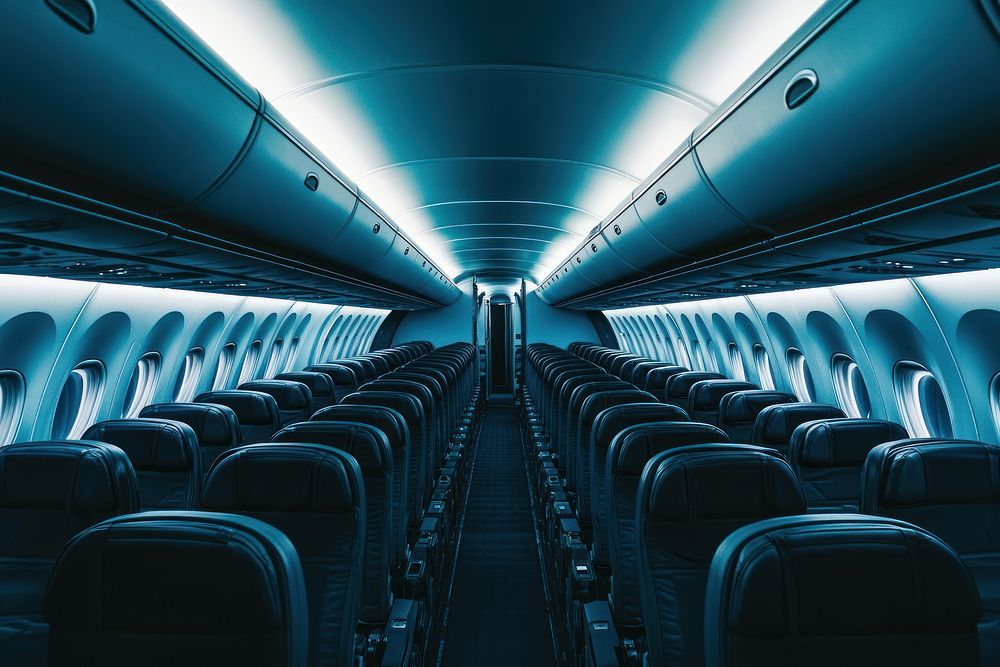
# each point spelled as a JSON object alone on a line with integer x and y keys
{"x": 224, "y": 367}
{"x": 79, "y": 401}
{"x": 293, "y": 349}
{"x": 995, "y": 401}
{"x": 249, "y": 370}
{"x": 141, "y": 385}
{"x": 272, "y": 361}
{"x": 921, "y": 402}
{"x": 682, "y": 354}
{"x": 763, "y": 364}
{"x": 736, "y": 363}
{"x": 798, "y": 373}
{"x": 698, "y": 357}
{"x": 11, "y": 405}
{"x": 852, "y": 393}
{"x": 189, "y": 376}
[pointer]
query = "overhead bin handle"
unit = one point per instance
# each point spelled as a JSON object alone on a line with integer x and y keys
{"x": 81, "y": 14}
{"x": 800, "y": 88}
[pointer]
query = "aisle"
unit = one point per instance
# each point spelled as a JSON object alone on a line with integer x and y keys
{"x": 497, "y": 614}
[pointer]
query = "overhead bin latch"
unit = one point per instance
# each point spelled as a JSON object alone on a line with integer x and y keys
{"x": 312, "y": 181}
{"x": 800, "y": 88}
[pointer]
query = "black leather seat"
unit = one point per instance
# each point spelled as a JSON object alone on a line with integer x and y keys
{"x": 364, "y": 370}
{"x": 656, "y": 380}
{"x": 738, "y": 411}
{"x": 324, "y": 392}
{"x": 178, "y": 588}
{"x": 256, "y": 412}
{"x": 838, "y": 589}
{"x": 569, "y": 433}
{"x": 828, "y": 455}
{"x": 383, "y": 545}
{"x": 628, "y": 455}
{"x": 578, "y": 472}
{"x": 294, "y": 399}
{"x": 776, "y": 423}
{"x": 49, "y": 491}
{"x": 165, "y": 456}
{"x": 344, "y": 379}
{"x": 704, "y": 398}
{"x": 391, "y": 423}
{"x": 433, "y": 412}
{"x": 678, "y": 386}
{"x": 215, "y": 426}
{"x": 608, "y": 424}
{"x": 642, "y": 370}
{"x": 952, "y": 489}
{"x": 689, "y": 500}
{"x": 556, "y": 416}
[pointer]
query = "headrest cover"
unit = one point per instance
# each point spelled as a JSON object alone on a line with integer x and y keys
{"x": 847, "y": 576}
{"x": 151, "y": 444}
{"x": 707, "y": 394}
{"x": 597, "y": 403}
{"x": 287, "y": 394}
{"x": 73, "y": 475}
{"x": 615, "y": 419}
{"x": 368, "y": 445}
{"x": 775, "y": 423}
{"x": 744, "y": 406}
{"x": 841, "y": 442}
{"x": 583, "y": 391}
{"x": 320, "y": 384}
{"x": 339, "y": 374}
{"x": 657, "y": 378}
{"x": 405, "y": 404}
{"x": 387, "y": 420}
{"x": 284, "y": 477}
{"x": 723, "y": 482}
{"x": 214, "y": 425}
{"x": 679, "y": 385}
{"x": 634, "y": 446}
{"x": 252, "y": 408}
{"x": 942, "y": 472}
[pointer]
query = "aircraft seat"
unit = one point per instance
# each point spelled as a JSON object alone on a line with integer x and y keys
{"x": 256, "y": 411}
{"x": 776, "y": 423}
{"x": 738, "y": 410}
{"x": 705, "y": 396}
{"x": 295, "y": 402}
{"x": 215, "y": 426}
{"x": 678, "y": 386}
{"x": 321, "y": 386}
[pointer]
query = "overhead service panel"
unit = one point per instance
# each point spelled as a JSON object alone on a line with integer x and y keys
{"x": 181, "y": 158}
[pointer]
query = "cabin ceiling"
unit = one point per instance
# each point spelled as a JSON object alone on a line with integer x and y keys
{"x": 496, "y": 135}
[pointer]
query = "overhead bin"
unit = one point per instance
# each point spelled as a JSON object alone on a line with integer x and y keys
{"x": 183, "y": 147}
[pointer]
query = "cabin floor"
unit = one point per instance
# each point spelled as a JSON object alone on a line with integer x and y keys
{"x": 497, "y": 613}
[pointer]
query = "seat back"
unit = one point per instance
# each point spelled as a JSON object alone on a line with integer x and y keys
{"x": 679, "y": 386}
{"x": 705, "y": 396}
{"x": 256, "y": 412}
{"x": 215, "y": 426}
{"x": 344, "y": 379}
{"x": 738, "y": 410}
{"x": 689, "y": 500}
{"x": 557, "y": 414}
{"x": 178, "y": 588}
{"x": 656, "y": 379}
{"x": 629, "y": 452}
{"x": 321, "y": 386}
{"x": 164, "y": 455}
{"x": 952, "y": 489}
{"x": 838, "y": 589}
{"x": 49, "y": 491}
{"x": 294, "y": 399}
{"x": 370, "y": 448}
{"x": 570, "y": 433}
{"x": 608, "y": 424}
{"x": 642, "y": 370}
{"x": 776, "y": 423}
{"x": 827, "y": 457}
{"x": 434, "y": 411}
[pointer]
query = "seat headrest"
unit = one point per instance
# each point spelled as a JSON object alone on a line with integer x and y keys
{"x": 679, "y": 385}
{"x": 657, "y": 378}
{"x": 721, "y": 481}
{"x": 368, "y": 445}
{"x": 569, "y": 385}
{"x": 744, "y": 406}
{"x": 707, "y": 394}
{"x": 597, "y": 403}
{"x": 75, "y": 475}
{"x": 214, "y": 425}
{"x": 252, "y": 408}
{"x": 403, "y": 386}
{"x": 286, "y": 477}
{"x": 632, "y": 448}
{"x": 427, "y": 381}
{"x": 815, "y": 580}
{"x": 642, "y": 369}
{"x": 336, "y": 372}
{"x": 163, "y": 575}
{"x": 840, "y": 442}
{"x": 405, "y": 404}
{"x": 583, "y": 391}
{"x": 775, "y": 423}
{"x": 611, "y": 421}
{"x": 287, "y": 394}
{"x": 387, "y": 420}
{"x": 151, "y": 444}
{"x": 914, "y": 472}
{"x": 320, "y": 384}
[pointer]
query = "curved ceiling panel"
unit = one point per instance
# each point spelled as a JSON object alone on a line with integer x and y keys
{"x": 497, "y": 135}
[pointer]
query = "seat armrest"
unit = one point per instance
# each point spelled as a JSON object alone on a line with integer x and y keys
{"x": 400, "y": 634}
{"x": 600, "y": 637}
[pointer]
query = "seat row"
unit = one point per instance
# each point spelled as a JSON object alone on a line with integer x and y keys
{"x": 653, "y": 512}
{"x": 244, "y": 527}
